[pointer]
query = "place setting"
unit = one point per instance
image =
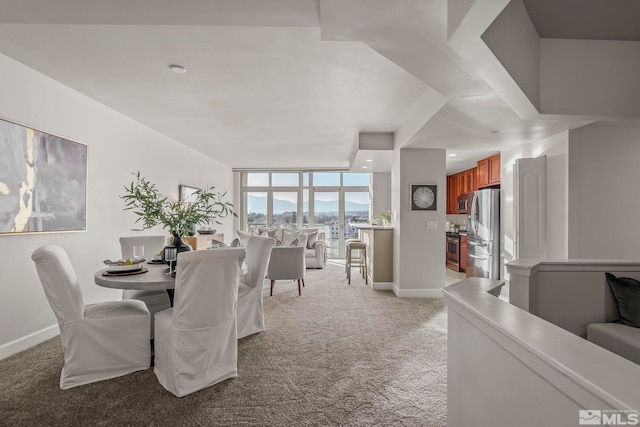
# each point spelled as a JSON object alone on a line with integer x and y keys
{"x": 127, "y": 267}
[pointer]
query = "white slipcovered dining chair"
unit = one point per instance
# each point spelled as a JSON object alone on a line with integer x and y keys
{"x": 156, "y": 300}
{"x": 196, "y": 343}
{"x": 99, "y": 341}
{"x": 286, "y": 263}
{"x": 250, "y": 314}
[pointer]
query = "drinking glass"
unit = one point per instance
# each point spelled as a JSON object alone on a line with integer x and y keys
{"x": 138, "y": 252}
{"x": 171, "y": 255}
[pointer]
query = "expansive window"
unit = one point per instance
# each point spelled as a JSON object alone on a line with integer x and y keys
{"x": 334, "y": 202}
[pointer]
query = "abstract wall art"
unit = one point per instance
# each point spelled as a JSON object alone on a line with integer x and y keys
{"x": 43, "y": 181}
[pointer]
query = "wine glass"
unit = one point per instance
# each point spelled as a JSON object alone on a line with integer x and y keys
{"x": 138, "y": 252}
{"x": 171, "y": 255}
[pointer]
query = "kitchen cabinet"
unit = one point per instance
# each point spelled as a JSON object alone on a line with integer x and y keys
{"x": 474, "y": 182}
{"x": 483, "y": 173}
{"x": 494, "y": 170}
{"x": 457, "y": 185}
{"x": 463, "y": 252}
{"x": 469, "y": 180}
{"x": 453, "y": 190}
{"x": 488, "y": 171}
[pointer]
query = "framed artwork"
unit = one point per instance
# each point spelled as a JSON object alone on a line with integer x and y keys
{"x": 423, "y": 197}
{"x": 187, "y": 194}
{"x": 43, "y": 182}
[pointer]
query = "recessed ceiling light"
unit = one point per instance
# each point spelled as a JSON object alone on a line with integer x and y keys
{"x": 178, "y": 69}
{"x": 369, "y": 160}
{"x": 452, "y": 155}
{"x": 495, "y": 131}
{"x": 364, "y": 167}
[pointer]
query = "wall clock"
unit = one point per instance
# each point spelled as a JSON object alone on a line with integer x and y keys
{"x": 424, "y": 197}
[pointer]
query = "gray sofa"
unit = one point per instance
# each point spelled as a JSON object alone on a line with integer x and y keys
{"x": 315, "y": 253}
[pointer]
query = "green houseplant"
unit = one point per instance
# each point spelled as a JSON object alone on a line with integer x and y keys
{"x": 178, "y": 217}
{"x": 383, "y": 218}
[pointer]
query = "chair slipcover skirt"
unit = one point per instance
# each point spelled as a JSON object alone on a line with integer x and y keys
{"x": 196, "y": 342}
{"x": 250, "y": 311}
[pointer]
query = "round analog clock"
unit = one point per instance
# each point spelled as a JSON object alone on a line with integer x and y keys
{"x": 423, "y": 197}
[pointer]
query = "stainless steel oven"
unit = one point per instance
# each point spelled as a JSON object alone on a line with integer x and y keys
{"x": 453, "y": 251}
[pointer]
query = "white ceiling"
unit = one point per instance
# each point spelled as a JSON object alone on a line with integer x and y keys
{"x": 281, "y": 83}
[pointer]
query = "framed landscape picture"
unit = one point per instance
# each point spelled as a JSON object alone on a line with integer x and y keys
{"x": 43, "y": 181}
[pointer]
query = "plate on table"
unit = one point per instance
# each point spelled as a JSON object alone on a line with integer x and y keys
{"x": 119, "y": 268}
{"x": 156, "y": 261}
{"x": 201, "y": 231}
{"x": 125, "y": 273}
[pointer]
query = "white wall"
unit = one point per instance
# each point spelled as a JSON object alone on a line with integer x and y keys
{"x": 117, "y": 146}
{"x": 556, "y": 148}
{"x": 604, "y": 172}
{"x": 380, "y": 191}
{"x": 419, "y": 253}
{"x": 507, "y": 367}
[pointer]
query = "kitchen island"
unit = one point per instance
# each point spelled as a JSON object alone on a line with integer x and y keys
{"x": 379, "y": 241}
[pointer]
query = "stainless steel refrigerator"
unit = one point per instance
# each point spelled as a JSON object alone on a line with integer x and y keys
{"x": 483, "y": 234}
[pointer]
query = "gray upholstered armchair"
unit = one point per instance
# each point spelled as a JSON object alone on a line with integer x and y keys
{"x": 286, "y": 263}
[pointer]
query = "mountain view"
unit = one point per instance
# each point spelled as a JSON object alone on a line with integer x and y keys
{"x": 259, "y": 204}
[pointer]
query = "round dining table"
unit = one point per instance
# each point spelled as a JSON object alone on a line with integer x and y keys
{"x": 156, "y": 278}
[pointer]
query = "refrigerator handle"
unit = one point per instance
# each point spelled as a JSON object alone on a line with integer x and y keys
{"x": 476, "y": 215}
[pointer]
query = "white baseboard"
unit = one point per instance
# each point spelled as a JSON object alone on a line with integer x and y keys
{"x": 16, "y": 346}
{"x": 417, "y": 293}
{"x": 382, "y": 286}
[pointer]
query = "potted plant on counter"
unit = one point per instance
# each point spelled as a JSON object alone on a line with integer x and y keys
{"x": 177, "y": 217}
{"x": 383, "y": 218}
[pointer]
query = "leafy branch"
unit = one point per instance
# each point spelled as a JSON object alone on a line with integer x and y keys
{"x": 153, "y": 208}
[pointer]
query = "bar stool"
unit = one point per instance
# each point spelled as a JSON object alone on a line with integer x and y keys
{"x": 360, "y": 261}
{"x": 353, "y": 239}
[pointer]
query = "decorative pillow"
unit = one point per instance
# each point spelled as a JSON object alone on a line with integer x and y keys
{"x": 302, "y": 240}
{"x": 627, "y": 294}
{"x": 244, "y": 237}
{"x": 218, "y": 244}
{"x": 288, "y": 236}
{"x": 279, "y": 242}
{"x": 294, "y": 242}
{"x": 235, "y": 243}
{"x": 271, "y": 233}
{"x": 312, "y": 239}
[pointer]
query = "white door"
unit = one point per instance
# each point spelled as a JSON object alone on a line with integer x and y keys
{"x": 530, "y": 191}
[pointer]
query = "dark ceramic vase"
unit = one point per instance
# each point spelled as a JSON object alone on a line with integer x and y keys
{"x": 178, "y": 243}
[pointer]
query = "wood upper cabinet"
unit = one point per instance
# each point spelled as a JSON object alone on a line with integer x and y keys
{"x": 457, "y": 185}
{"x": 482, "y": 176}
{"x": 469, "y": 181}
{"x": 488, "y": 171}
{"x": 494, "y": 169}
{"x": 474, "y": 179}
{"x": 453, "y": 189}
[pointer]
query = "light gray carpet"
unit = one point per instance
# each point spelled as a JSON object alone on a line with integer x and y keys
{"x": 338, "y": 355}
